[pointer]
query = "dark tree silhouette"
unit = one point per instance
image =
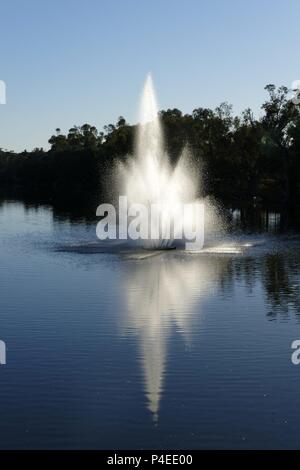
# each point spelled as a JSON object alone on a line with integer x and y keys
{"x": 239, "y": 157}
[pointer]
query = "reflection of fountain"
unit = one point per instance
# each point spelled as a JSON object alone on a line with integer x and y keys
{"x": 163, "y": 292}
{"x": 149, "y": 179}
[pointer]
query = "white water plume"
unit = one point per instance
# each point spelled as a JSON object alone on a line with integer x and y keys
{"x": 149, "y": 179}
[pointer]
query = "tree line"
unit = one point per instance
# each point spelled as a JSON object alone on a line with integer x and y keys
{"x": 239, "y": 158}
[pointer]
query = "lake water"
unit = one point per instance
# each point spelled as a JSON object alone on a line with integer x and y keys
{"x": 119, "y": 350}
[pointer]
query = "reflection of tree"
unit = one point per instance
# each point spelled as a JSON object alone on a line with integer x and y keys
{"x": 280, "y": 277}
{"x": 281, "y": 280}
{"x": 255, "y": 219}
{"x": 245, "y": 270}
{"x": 164, "y": 292}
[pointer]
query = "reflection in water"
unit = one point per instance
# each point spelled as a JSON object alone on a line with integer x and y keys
{"x": 277, "y": 272}
{"x": 281, "y": 279}
{"x": 256, "y": 219}
{"x": 166, "y": 292}
{"x": 162, "y": 293}
{"x": 65, "y": 313}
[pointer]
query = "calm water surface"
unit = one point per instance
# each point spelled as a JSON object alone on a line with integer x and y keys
{"x": 118, "y": 350}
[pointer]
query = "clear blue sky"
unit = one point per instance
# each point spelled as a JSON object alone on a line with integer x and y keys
{"x": 69, "y": 62}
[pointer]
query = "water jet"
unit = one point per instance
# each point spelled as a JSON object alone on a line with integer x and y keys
{"x": 149, "y": 179}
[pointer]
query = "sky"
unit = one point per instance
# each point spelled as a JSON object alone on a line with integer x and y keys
{"x": 69, "y": 62}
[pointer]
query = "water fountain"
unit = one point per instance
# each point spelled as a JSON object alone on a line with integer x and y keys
{"x": 149, "y": 179}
